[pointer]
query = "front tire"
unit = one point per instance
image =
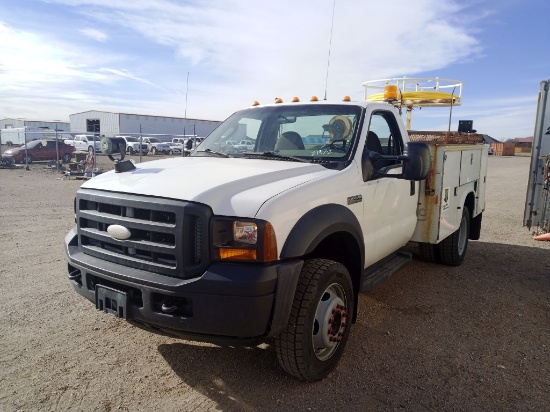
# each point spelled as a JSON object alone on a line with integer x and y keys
{"x": 131, "y": 151}
{"x": 452, "y": 250}
{"x": 319, "y": 323}
{"x": 154, "y": 151}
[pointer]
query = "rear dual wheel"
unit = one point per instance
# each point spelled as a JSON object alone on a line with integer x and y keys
{"x": 319, "y": 323}
{"x": 452, "y": 249}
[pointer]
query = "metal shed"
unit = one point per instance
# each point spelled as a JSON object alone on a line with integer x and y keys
{"x": 113, "y": 124}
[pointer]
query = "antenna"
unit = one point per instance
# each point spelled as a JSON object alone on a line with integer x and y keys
{"x": 329, "y": 47}
{"x": 185, "y": 113}
{"x": 186, "y": 92}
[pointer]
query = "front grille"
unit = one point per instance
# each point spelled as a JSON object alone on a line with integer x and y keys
{"x": 167, "y": 236}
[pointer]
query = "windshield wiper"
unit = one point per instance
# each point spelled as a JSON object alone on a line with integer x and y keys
{"x": 276, "y": 156}
{"x": 219, "y": 154}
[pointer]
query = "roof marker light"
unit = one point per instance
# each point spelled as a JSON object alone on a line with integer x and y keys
{"x": 255, "y": 103}
{"x": 346, "y": 99}
{"x": 295, "y": 99}
{"x": 278, "y": 100}
{"x": 314, "y": 99}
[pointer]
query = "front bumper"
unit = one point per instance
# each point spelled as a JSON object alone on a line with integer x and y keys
{"x": 228, "y": 303}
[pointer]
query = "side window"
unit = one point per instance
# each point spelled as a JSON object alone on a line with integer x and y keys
{"x": 384, "y": 138}
{"x": 383, "y": 126}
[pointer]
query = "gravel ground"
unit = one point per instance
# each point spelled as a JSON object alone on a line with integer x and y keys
{"x": 433, "y": 337}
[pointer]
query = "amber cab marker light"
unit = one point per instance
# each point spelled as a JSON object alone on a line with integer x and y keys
{"x": 278, "y": 100}
{"x": 346, "y": 99}
{"x": 295, "y": 99}
{"x": 255, "y": 103}
{"x": 314, "y": 99}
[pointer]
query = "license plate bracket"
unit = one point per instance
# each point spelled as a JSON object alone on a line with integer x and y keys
{"x": 111, "y": 301}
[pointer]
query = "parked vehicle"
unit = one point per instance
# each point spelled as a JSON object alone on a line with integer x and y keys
{"x": 275, "y": 244}
{"x": 156, "y": 145}
{"x": 177, "y": 145}
{"x": 40, "y": 150}
{"x": 85, "y": 143}
{"x": 134, "y": 145}
{"x": 191, "y": 144}
{"x": 246, "y": 145}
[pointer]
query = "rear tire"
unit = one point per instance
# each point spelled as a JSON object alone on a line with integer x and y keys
{"x": 452, "y": 250}
{"x": 429, "y": 252}
{"x": 319, "y": 322}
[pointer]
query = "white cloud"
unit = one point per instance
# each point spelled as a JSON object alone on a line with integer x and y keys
{"x": 94, "y": 34}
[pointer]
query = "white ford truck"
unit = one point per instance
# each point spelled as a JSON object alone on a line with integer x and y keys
{"x": 275, "y": 243}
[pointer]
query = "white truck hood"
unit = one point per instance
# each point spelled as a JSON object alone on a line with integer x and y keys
{"x": 231, "y": 187}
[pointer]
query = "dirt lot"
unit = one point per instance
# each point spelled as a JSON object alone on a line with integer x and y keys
{"x": 471, "y": 338}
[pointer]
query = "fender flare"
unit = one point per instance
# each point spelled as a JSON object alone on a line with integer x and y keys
{"x": 316, "y": 225}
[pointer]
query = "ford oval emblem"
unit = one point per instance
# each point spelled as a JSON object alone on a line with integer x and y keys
{"x": 119, "y": 232}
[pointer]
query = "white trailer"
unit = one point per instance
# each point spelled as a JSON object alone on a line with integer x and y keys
{"x": 20, "y": 135}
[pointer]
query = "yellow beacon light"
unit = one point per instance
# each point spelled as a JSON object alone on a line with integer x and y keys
{"x": 390, "y": 92}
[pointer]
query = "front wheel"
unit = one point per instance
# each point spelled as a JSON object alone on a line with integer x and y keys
{"x": 130, "y": 151}
{"x": 453, "y": 249}
{"x": 319, "y": 323}
{"x": 154, "y": 151}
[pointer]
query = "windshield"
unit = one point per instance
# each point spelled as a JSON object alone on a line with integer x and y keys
{"x": 309, "y": 132}
{"x": 154, "y": 140}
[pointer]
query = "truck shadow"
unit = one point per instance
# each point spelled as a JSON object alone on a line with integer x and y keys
{"x": 432, "y": 334}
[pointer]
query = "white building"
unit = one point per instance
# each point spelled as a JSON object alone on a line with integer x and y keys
{"x": 113, "y": 124}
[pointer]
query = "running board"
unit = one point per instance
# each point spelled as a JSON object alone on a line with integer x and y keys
{"x": 378, "y": 273}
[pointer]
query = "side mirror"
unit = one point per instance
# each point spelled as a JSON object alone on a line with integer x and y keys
{"x": 417, "y": 161}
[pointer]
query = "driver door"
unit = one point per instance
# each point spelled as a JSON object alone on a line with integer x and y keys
{"x": 389, "y": 211}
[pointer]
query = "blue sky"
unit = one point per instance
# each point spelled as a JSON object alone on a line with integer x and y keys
{"x": 61, "y": 57}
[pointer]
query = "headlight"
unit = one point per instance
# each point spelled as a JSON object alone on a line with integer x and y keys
{"x": 244, "y": 240}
